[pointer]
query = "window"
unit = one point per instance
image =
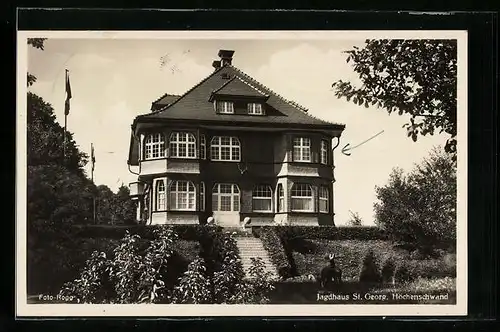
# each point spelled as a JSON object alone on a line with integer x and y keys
{"x": 225, "y": 148}
{"x": 182, "y": 145}
{"x": 324, "y": 152}
{"x": 302, "y": 198}
{"x": 154, "y": 146}
{"x": 203, "y": 147}
{"x": 301, "y": 149}
{"x": 225, "y": 197}
{"x": 160, "y": 195}
{"x": 254, "y": 109}
{"x": 225, "y": 107}
{"x": 323, "y": 199}
{"x": 262, "y": 198}
{"x": 202, "y": 196}
{"x": 281, "y": 198}
{"x": 182, "y": 195}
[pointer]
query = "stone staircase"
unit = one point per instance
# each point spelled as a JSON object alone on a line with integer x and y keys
{"x": 249, "y": 247}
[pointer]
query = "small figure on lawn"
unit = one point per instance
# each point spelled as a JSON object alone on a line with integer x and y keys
{"x": 331, "y": 273}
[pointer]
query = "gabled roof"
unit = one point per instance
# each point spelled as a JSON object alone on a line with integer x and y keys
{"x": 195, "y": 104}
{"x": 236, "y": 86}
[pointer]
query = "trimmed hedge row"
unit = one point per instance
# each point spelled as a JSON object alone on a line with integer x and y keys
{"x": 332, "y": 232}
{"x": 276, "y": 248}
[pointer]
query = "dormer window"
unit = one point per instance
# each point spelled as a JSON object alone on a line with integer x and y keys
{"x": 225, "y": 107}
{"x": 254, "y": 109}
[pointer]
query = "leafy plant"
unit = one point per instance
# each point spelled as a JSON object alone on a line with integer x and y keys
{"x": 194, "y": 286}
{"x": 369, "y": 272}
{"x": 258, "y": 285}
{"x": 414, "y": 77}
{"x": 355, "y": 219}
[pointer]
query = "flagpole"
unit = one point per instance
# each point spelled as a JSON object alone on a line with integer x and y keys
{"x": 65, "y": 116}
{"x": 92, "y": 178}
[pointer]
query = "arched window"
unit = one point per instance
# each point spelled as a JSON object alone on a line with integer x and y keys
{"x": 182, "y": 145}
{"x": 225, "y": 148}
{"x": 225, "y": 197}
{"x": 324, "y": 152}
{"x": 262, "y": 198}
{"x": 154, "y": 146}
{"x": 302, "y": 198}
{"x": 182, "y": 195}
{"x": 281, "y": 198}
{"x": 323, "y": 199}
{"x": 160, "y": 195}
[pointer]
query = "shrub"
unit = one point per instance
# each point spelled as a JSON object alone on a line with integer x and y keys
{"x": 194, "y": 286}
{"x": 355, "y": 220}
{"x": 230, "y": 274}
{"x": 388, "y": 269}
{"x": 420, "y": 207}
{"x": 257, "y": 287}
{"x": 331, "y": 232}
{"x": 369, "y": 272}
{"x": 135, "y": 273}
{"x": 403, "y": 273}
{"x": 275, "y": 247}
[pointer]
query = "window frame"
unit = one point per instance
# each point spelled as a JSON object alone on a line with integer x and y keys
{"x": 281, "y": 198}
{"x": 150, "y": 144}
{"x": 222, "y": 107}
{"x": 203, "y": 147}
{"x": 301, "y": 147}
{"x": 252, "y": 109}
{"x": 325, "y": 200}
{"x": 256, "y": 190}
{"x": 235, "y": 197}
{"x": 323, "y": 155}
{"x": 160, "y": 196}
{"x": 219, "y": 147}
{"x": 295, "y": 197}
{"x": 174, "y": 203}
{"x": 177, "y": 143}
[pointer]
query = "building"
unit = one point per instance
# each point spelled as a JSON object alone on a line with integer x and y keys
{"x": 231, "y": 148}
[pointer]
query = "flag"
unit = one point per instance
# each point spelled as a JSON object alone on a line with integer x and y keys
{"x": 92, "y": 157}
{"x": 68, "y": 94}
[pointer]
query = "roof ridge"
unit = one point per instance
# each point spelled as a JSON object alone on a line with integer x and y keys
{"x": 295, "y": 104}
{"x": 250, "y": 85}
{"x": 185, "y": 93}
{"x": 223, "y": 85}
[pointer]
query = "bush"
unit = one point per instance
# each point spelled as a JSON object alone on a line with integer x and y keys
{"x": 420, "y": 207}
{"x": 135, "y": 272}
{"x": 331, "y": 232}
{"x": 257, "y": 287}
{"x": 403, "y": 273}
{"x": 276, "y": 248}
{"x": 369, "y": 272}
{"x": 388, "y": 269}
{"x": 194, "y": 286}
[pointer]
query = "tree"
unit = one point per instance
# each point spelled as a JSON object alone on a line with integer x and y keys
{"x": 37, "y": 43}
{"x": 413, "y": 77}
{"x": 355, "y": 220}
{"x": 419, "y": 208}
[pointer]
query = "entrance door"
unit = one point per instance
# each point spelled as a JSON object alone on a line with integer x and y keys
{"x": 226, "y": 204}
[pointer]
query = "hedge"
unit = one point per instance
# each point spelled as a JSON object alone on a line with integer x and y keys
{"x": 332, "y": 232}
{"x": 278, "y": 252}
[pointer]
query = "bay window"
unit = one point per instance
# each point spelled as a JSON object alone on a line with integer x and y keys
{"x": 302, "y": 149}
{"x": 324, "y": 152}
{"x": 154, "y": 146}
{"x": 323, "y": 199}
{"x": 160, "y": 195}
{"x": 182, "y": 196}
{"x": 182, "y": 145}
{"x": 302, "y": 198}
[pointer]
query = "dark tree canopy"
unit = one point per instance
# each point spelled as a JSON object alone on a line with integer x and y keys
{"x": 417, "y": 78}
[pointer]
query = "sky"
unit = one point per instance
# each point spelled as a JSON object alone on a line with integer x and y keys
{"x": 114, "y": 80}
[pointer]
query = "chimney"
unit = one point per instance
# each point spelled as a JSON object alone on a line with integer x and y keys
{"x": 226, "y": 57}
{"x": 216, "y": 64}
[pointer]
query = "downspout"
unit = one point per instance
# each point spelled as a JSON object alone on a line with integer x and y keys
{"x": 333, "y": 174}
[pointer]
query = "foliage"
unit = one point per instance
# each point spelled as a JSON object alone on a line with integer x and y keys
{"x": 230, "y": 275}
{"x": 114, "y": 208}
{"x": 257, "y": 287}
{"x": 135, "y": 273}
{"x": 282, "y": 259}
{"x": 194, "y": 286}
{"x": 331, "y": 232}
{"x": 416, "y": 77}
{"x": 37, "y": 43}
{"x": 355, "y": 219}
{"x": 388, "y": 269}
{"x": 420, "y": 208}
{"x": 369, "y": 272}
{"x": 56, "y": 195}
{"x": 403, "y": 273}
{"x": 46, "y": 137}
